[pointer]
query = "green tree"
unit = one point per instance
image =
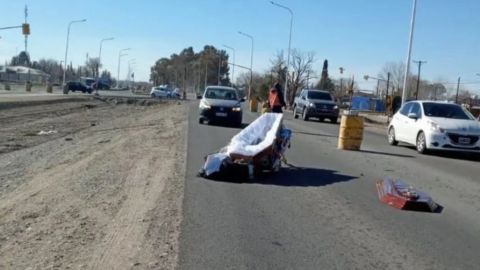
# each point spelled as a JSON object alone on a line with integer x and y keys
{"x": 325, "y": 82}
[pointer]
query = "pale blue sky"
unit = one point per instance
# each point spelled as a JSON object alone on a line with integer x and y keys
{"x": 360, "y": 35}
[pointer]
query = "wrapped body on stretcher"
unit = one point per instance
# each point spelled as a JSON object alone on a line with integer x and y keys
{"x": 260, "y": 146}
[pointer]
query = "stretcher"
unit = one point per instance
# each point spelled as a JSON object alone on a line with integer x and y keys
{"x": 260, "y": 147}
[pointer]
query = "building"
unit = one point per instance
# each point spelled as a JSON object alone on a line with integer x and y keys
{"x": 20, "y": 74}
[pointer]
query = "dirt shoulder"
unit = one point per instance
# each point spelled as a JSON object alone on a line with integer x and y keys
{"x": 102, "y": 189}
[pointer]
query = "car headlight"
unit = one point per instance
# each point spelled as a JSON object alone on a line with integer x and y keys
{"x": 204, "y": 105}
{"x": 311, "y": 104}
{"x": 335, "y": 107}
{"x": 236, "y": 109}
{"x": 435, "y": 127}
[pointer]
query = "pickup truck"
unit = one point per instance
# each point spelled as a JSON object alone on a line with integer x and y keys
{"x": 316, "y": 104}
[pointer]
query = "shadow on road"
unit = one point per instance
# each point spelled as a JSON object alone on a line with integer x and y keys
{"x": 386, "y": 154}
{"x": 314, "y": 134}
{"x": 425, "y": 209}
{"x": 289, "y": 177}
{"x": 450, "y": 155}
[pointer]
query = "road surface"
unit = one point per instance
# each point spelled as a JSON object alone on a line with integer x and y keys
{"x": 325, "y": 214}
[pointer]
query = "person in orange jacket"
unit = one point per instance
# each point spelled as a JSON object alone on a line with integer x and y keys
{"x": 275, "y": 99}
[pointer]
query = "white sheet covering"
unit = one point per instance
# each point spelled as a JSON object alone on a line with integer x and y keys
{"x": 257, "y": 136}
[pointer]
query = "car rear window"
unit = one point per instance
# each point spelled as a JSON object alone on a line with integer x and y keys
{"x": 319, "y": 95}
{"x": 445, "y": 111}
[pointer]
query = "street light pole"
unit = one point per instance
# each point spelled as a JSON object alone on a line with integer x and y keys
{"x": 251, "y": 65}
{"x": 289, "y": 47}
{"x": 409, "y": 54}
{"x": 118, "y": 67}
{"x": 100, "y": 52}
{"x": 233, "y": 66}
{"x": 66, "y": 47}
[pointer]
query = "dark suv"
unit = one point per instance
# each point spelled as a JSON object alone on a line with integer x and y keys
{"x": 315, "y": 103}
{"x": 76, "y": 86}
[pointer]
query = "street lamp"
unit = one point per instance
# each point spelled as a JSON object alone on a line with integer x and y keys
{"x": 131, "y": 63}
{"x": 233, "y": 66}
{"x": 409, "y": 54}
{"x": 120, "y": 55}
{"x": 251, "y": 64}
{"x": 100, "y": 52}
{"x": 289, "y": 46}
{"x": 66, "y": 47}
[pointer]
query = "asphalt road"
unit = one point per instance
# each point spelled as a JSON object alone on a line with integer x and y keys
{"x": 325, "y": 213}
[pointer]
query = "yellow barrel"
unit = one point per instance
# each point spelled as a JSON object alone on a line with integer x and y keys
{"x": 253, "y": 105}
{"x": 351, "y": 132}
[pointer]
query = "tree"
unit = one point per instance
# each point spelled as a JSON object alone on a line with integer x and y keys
{"x": 325, "y": 82}
{"x": 302, "y": 66}
{"x": 190, "y": 69}
{"x": 260, "y": 83}
{"x": 93, "y": 65}
{"x": 278, "y": 69}
{"x": 22, "y": 59}
{"x": 397, "y": 75}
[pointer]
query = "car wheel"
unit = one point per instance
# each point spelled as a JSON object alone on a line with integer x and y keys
{"x": 152, "y": 95}
{"x": 305, "y": 115}
{"x": 200, "y": 121}
{"x": 421, "y": 143}
{"x": 334, "y": 120}
{"x": 391, "y": 136}
{"x": 321, "y": 119}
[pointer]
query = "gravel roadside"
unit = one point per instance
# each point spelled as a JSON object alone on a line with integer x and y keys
{"x": 101, "y": 188}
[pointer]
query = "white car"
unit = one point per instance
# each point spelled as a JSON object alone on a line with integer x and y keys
{"x": 432, "y": 125}
{"x": 160, "y": 92}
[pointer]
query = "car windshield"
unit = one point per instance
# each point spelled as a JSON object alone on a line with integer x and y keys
{"x": 319, "y": 95}
{"x": 221, "y": 93}
{"x": 445, "y": 111}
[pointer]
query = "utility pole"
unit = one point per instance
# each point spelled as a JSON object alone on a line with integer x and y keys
{"x": 26, "y": 36}
{"x": 386, "y": 94}
{"x": 458, "y": 88}
{"x": 219, "y": 65}
{"x": 419, "y": 63}
{"x": 205, "y": 75}
{"x": 308, "y": 77}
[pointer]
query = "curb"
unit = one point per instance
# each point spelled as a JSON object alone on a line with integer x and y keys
{"x": 17, "y": 104}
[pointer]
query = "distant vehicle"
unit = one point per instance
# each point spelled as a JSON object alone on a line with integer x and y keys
{"x": 76, "y": 86}
{"x": 221, "y": 103}
{"x": 100, "y": 85}
{"x": 315, "y": 103}
{"x": 160, "y": 92}
{"x": 434, "y": 125}
{"x": 176, "y": 93}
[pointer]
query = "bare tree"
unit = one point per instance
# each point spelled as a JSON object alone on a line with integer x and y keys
{"x": 93, "y": 66}
{"x": 397, "y": 75}
{"x": 302, "y": 66}
{"x": 279, "y": 67}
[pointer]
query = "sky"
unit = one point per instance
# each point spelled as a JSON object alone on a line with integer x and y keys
{"x": 358, "y": 35}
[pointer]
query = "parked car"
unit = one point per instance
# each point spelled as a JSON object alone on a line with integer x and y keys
{"x": 433, "y": 125}
{"x": 101, "y": 85}
{"x": 221, "y": 103}
{"x": 76, "y": 86}
{"x": 160, "y": 92}
{"x": 315, "y": 103}
{"x": 176, "y": 93}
